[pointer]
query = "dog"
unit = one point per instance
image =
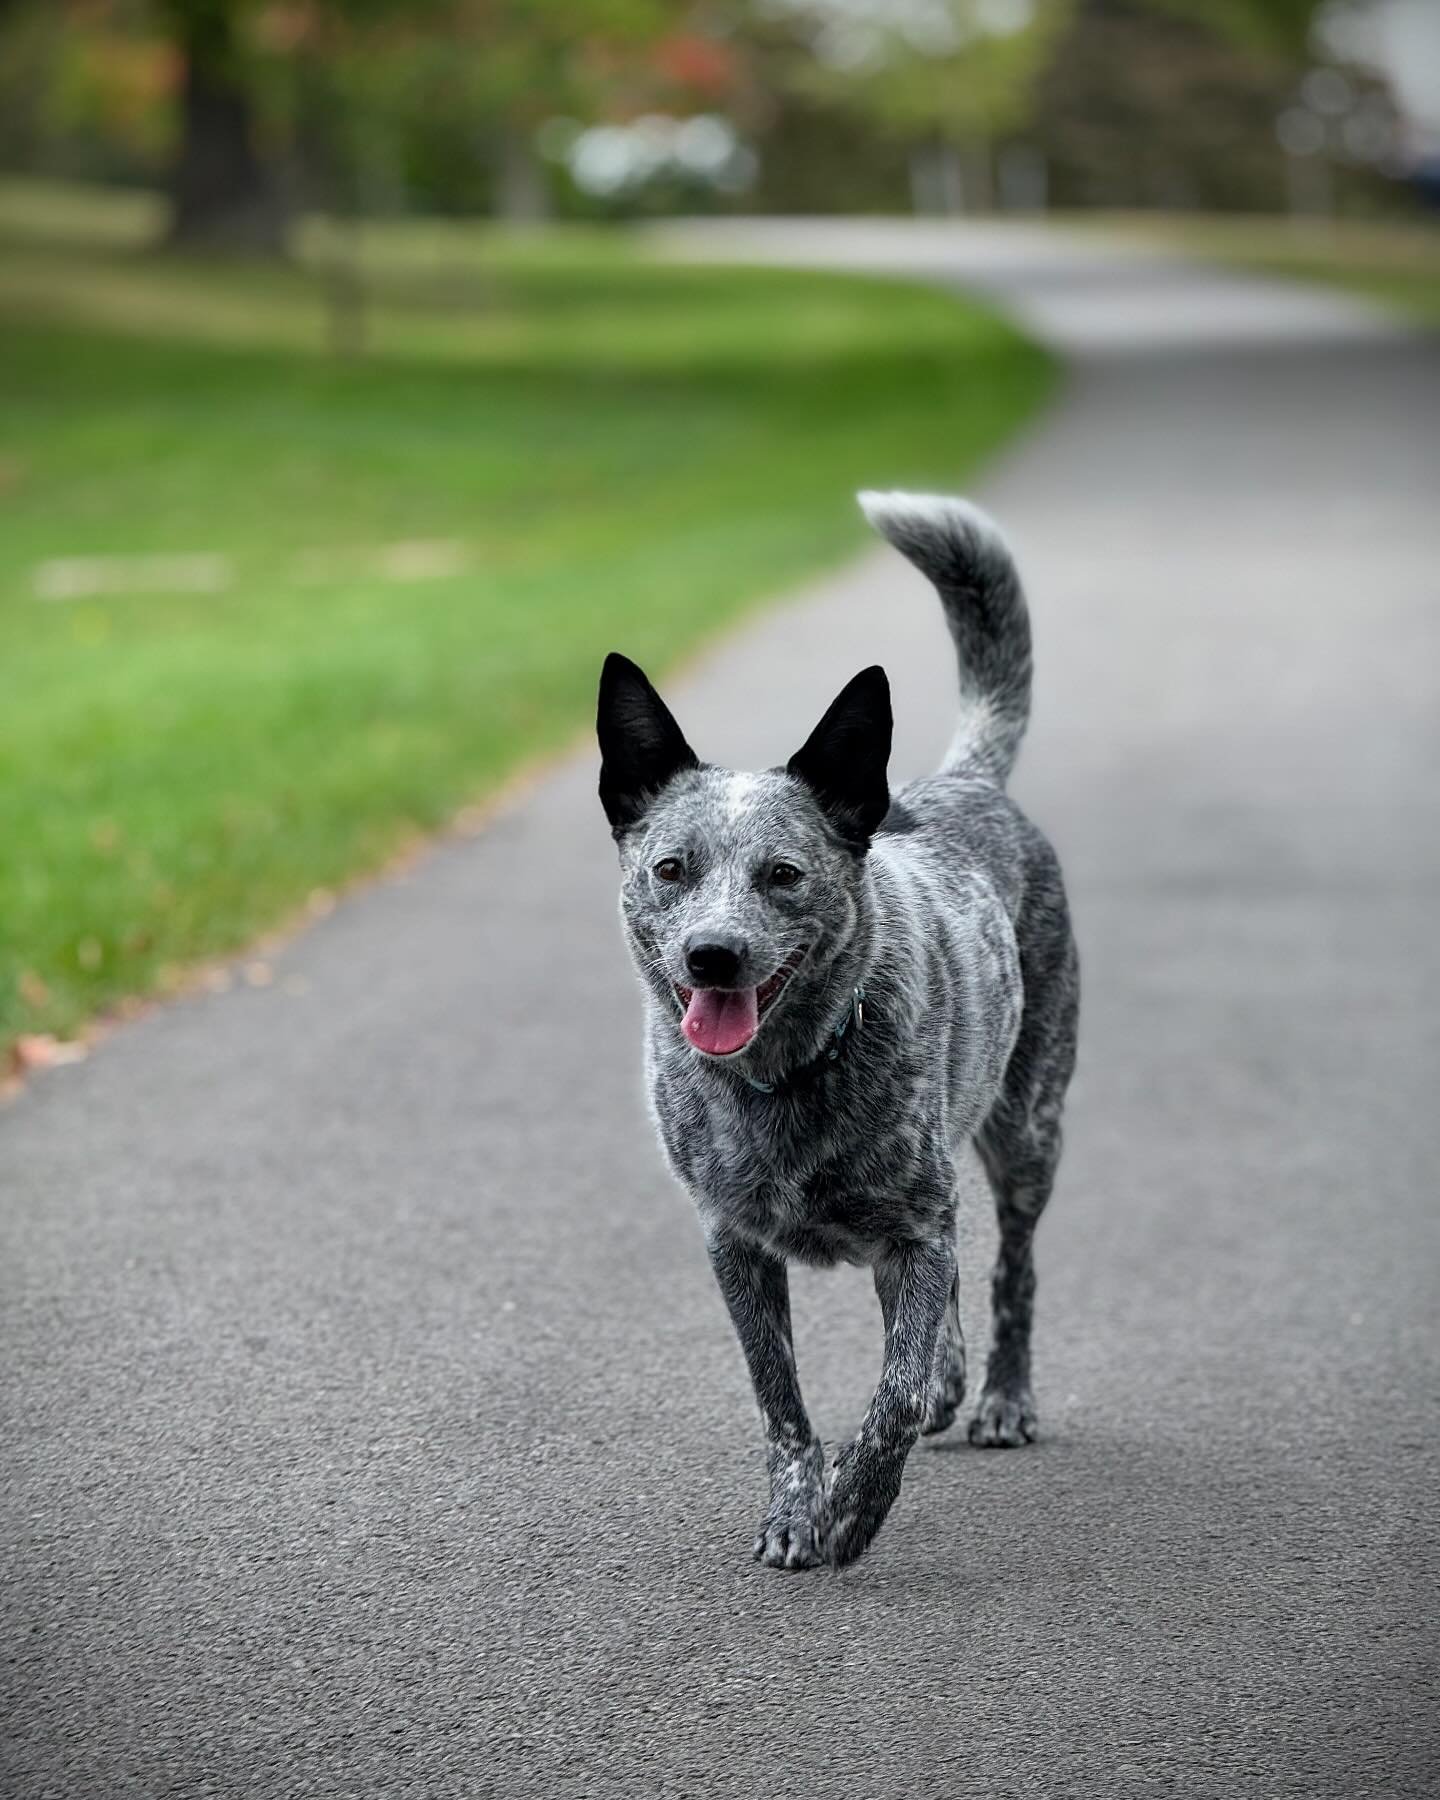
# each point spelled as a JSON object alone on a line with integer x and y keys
{"x": 844, "y": 988}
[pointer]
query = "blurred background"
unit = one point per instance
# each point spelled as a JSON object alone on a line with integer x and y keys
{"x": 350, "y": 413}
{"x": 247, "y": 115}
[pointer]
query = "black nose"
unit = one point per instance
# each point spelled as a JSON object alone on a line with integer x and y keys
{"x": 715, "y": 962}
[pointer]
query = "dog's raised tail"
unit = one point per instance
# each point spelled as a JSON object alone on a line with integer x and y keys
{"x": 964, "y": 553}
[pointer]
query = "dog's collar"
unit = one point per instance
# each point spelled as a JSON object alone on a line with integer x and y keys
{"x": 849, "y": 1027}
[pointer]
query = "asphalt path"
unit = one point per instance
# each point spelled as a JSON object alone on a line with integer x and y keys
{"x": 371, "y": 1426}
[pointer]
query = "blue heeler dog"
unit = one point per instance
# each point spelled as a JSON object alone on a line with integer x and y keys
{"x": 845, "y": 988}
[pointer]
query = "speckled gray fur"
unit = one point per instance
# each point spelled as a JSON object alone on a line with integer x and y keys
{"x": 945, "y": 907}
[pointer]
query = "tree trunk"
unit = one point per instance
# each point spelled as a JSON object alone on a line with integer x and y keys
{"x": 937, "y": 183}
{"x": 223, "y": 196}
{"x": 1022, "y": 178}
{"x": 522, "y": 196}
{"x": 979, "y": 176}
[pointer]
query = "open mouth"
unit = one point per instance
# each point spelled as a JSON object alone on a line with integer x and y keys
{"x": 722, "y": 1021}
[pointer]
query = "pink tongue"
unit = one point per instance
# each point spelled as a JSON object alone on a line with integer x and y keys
{"x": 721, "y": 1022}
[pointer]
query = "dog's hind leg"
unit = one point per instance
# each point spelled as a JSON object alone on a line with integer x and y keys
{"x": 947, "y": 1377}
{"x": 1019, "y": 1144}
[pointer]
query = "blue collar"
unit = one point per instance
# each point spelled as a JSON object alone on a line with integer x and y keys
{"x": 854, "y": 1016}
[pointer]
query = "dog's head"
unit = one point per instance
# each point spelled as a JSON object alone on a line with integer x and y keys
{"x": 740, "y": 890}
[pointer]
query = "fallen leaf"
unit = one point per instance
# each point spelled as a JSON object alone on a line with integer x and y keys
{"x": 38, "y": 1050}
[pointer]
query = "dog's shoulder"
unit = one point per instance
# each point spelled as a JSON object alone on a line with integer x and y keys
{"x": 955, "y": 827}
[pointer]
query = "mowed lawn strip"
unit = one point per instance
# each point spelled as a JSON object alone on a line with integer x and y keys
{"x": 625, "y": 454}
{"x": 1393, "y": 261}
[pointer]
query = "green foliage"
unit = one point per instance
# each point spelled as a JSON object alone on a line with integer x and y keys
{"x": 954, "y": 70}
{"x": 1142, "y": 106}
{"x": 353, "y": 96}
{"x": 84, "y": 92}
{"x": 623, "y": 453}
{"x": 388, "y": 106}
{"x": 1278, "y": 28}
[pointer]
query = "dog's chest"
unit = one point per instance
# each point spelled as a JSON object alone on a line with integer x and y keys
{"x": 787, "y": 1190}
{"x": 826, "y": 1220}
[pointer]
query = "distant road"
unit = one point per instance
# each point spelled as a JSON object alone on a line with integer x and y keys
{"x": 372, "y": 1428}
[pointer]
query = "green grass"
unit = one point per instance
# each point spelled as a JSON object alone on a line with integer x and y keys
{"x": 1397, "y": 264}
{"x": 631, "y": 454}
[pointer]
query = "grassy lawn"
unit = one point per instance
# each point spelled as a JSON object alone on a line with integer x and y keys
{"x": 591, "y": 451}
{"x": 1397, "y": 264}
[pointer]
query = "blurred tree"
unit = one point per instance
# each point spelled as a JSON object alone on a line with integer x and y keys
{"x": 945, "y": 77}
{"x": 1144, "y": 106}
{"x": 249, "y": 108}
{"x": 84, "y": 94}
{"x": 1174, "y": 104}
{"x": 1275, "y": 28}
{"x": 224, "y": 192}
{"x": 1122, "y": 101}
{"x": 269, "y": 102}
{"x": 543, "y": 59}
{"x": 132, "y": 87}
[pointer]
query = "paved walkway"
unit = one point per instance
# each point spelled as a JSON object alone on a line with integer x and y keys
{"x": 372, "y": 1426}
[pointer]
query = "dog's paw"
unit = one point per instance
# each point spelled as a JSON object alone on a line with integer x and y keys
{"x": 864, "y": 1485}
{"x": 943, "y": 1400}
{"x": 1004, "y": 1420}
{"x": 792, "y": 1533}
{"x": 790, "y": 1543}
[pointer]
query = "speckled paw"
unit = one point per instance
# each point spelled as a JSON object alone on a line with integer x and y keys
{"x": 942, "y": 1404}
{"x": 864, "y": 1485}
{"x": 1005, "y": 1421}
{"x": 789, "y": 1544}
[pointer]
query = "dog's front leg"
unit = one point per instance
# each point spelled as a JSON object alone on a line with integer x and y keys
{"x": 757, "y": 1292}
{"x": 913, "y": 1281}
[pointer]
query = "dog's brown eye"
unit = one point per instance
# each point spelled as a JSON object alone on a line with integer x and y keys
{"x": 784, "y": 874}
{"x": 669, "y": 869}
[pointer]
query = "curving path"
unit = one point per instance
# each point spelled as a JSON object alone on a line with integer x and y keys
{"x": 371, "y": 1426}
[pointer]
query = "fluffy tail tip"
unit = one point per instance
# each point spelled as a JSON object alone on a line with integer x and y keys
{"x": 922, "y": 525}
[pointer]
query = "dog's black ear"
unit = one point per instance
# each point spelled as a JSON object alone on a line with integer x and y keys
{"x": 844, "y": 759}
{"x": 641, "y": 746}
